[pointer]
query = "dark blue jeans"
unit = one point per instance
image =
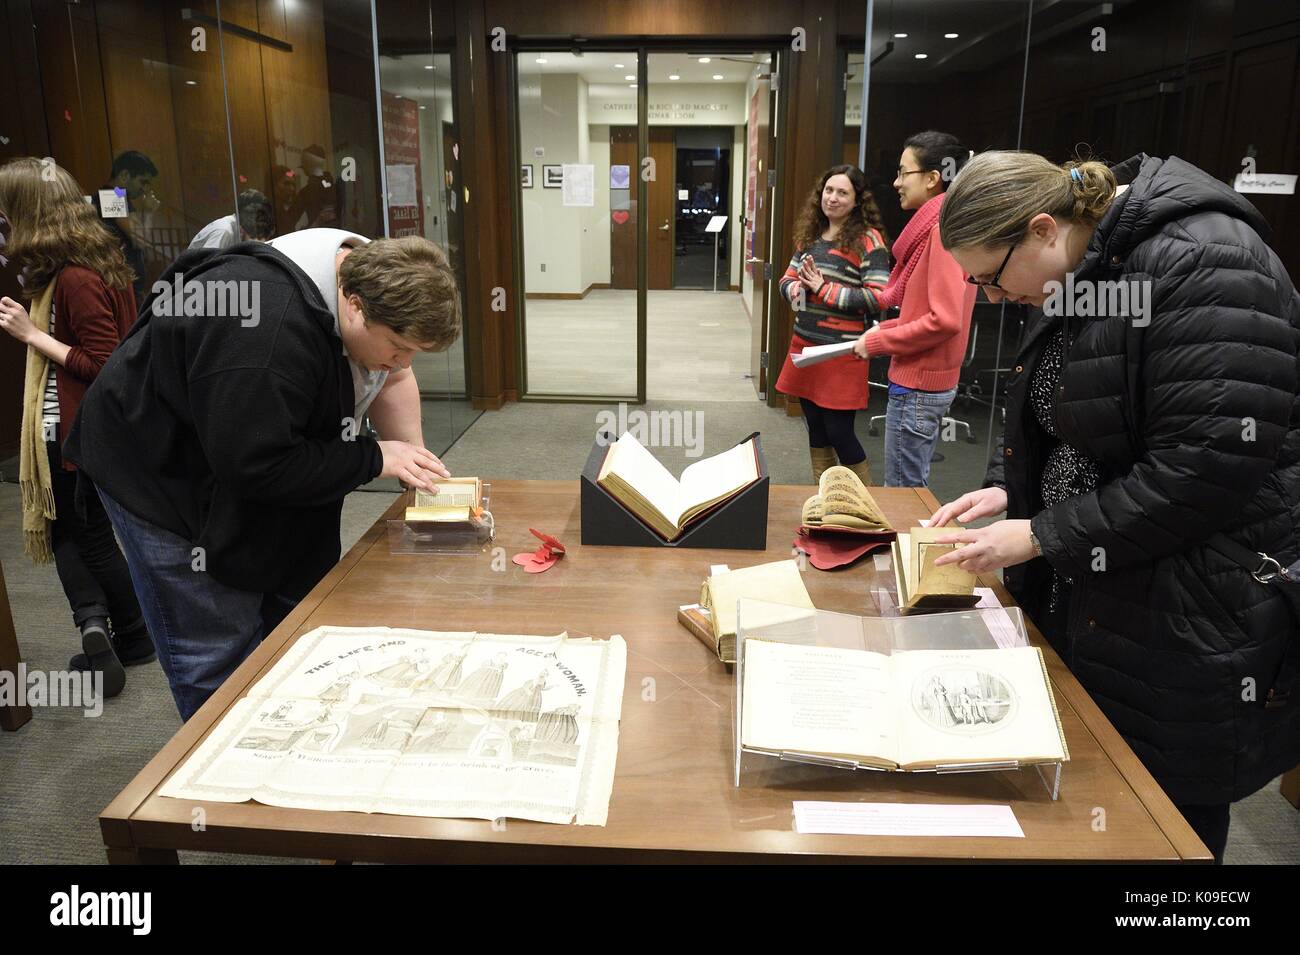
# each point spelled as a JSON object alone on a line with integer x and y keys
{"x": 201, "y": 628}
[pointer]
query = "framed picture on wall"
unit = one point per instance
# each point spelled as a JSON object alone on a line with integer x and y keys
{"x": 526, "y": 176}
{"x": 553, "y": 177}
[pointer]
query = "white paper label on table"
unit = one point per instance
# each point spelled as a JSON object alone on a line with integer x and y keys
{"x": 905, "y": 819}
{"x": 814, "y": 354}
{"x": 1004, "y": 631}
{"x": 718, "y": 569}
{"x": 884, "y": 562}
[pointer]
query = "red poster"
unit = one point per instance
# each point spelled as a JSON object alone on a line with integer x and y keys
{"x": 402, "y": 156}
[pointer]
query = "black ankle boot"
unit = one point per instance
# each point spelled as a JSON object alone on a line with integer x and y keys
{"x": 98, "y": 655}
{"x": 133, "y": 645}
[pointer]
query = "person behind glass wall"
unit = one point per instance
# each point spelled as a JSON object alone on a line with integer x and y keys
{"x": 318, "y": 202}
{"x": 230, "y": 434}
{"x": 1154, "y": 404}
{"x": 134, "y": 173}
{"x": 840, "y": 262}
{"x": 82, "y": 305}
{"x": 255, "y": 222}
{"x": 284, "y": 189}
{"x": 927, "y": 341}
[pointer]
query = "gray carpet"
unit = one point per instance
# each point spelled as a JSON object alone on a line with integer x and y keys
{"x": 60, "y": 770}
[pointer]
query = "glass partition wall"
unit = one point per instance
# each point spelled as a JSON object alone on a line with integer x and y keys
{"x": 255, "y": 118}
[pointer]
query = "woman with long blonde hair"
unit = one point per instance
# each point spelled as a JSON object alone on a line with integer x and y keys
{"x": 82, "y": 304}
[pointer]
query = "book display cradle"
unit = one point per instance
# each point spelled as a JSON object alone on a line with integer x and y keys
{"x": 974, "y": 629}
{"x": 739, "y": 523}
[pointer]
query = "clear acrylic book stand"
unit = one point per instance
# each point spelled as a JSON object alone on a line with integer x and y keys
{"x": 974, "y": 629}
{"x": 452, "y": 538}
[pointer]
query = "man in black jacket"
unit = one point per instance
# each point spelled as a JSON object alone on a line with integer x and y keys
{"x": 224, "y": 432}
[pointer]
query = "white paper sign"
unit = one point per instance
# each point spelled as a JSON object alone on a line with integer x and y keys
{"x": 111, "y": 205}
{"x": 579, "y": 184}
{"x": 905, "y": 819}
{"x": 1273, "y": 183}
{"x": 715, "y": 224}
{"x": 401, "y": 185}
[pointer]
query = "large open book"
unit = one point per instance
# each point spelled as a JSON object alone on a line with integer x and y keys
{"x": 910, "y": 710}
{"x": 921, "y": 585}
{"x": 633, "y": 476}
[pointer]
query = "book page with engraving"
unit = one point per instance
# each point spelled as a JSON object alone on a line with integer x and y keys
{"x": 959, "y": 706}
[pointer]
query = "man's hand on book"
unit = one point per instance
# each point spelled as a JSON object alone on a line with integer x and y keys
{"x": 1001, "y": 544}
{"x": 971, "y": 506}
{"x": 411, "y": 464}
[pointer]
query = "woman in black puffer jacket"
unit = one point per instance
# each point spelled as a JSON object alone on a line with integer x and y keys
{"x": 1154, "y": 402}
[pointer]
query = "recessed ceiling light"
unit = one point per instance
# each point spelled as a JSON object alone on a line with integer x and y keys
{"x": 541, "y": 59}
{"x": 428, "y": 66}
{"x": 921, "y": 56}
{"x": 704, "y": 59}
{"x": 618, "y": 66}
{"x": 191, "y": 83}
{"x": 717, "y": 76}
{"x": 424, "y": 107}
{"x": 900, "y": 36}
{"x": 630, "y": 76}
{"x": 674, "y": 76}
{"x": 950, "y": 36}
{"x": 631, "y": 86}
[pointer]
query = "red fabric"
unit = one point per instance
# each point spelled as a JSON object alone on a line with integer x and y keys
{"x": 839, "y": 384}
{"x": 906, "y": 250}
{"x": 927, "y": 342}
{"x": 90, "y": 318}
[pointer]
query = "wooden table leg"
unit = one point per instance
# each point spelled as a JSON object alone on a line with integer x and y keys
{"x": 1291, "y": 787}
{"x": 13, "y": 716}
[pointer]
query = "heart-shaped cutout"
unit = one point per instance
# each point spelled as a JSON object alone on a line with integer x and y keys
{"x": 4, "y": 140}
{"x": 621, "y": 216}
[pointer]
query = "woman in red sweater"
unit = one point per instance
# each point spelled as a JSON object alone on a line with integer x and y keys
{"x": 83, "y": 304}
{"x": 840, "y": 260}
{"x": 927, "y": 341}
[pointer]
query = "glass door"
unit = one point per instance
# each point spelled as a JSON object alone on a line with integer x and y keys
{"x": 580, "y": 129}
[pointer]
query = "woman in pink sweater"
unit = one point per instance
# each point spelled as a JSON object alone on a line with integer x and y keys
{"x": 927, "y": 341}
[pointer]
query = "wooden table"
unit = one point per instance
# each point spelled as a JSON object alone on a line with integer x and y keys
{"x": 12, "y": 716}
{"x": 673, "y": 798}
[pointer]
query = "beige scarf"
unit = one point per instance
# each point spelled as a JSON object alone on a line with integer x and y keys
{"x": 34, "y": 460}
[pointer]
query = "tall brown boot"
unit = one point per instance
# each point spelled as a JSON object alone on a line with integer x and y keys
{"x": 822, "y": 458}
{"x": 863, "y": 470}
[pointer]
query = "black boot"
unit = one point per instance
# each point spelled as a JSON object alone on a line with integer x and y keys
{"x": 134, "y": 645}
{"x": 98, "y": 655}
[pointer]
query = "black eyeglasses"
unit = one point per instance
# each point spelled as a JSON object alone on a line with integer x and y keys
{"x": 993, "y": 282}
{"x": 910, "y": 172}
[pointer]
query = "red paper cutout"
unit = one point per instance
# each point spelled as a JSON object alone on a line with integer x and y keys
{"x": 544, "y": 557}
{"x": 621, "y": 216}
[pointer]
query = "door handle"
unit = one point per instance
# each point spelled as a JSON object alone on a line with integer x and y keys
{"x": 664, "y": 227}
{"x": 755, "y": 261}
